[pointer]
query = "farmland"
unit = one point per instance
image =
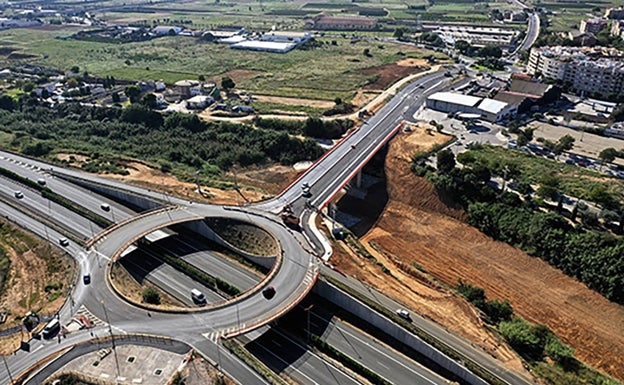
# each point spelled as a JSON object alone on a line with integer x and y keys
{"x": 332, "y": 70}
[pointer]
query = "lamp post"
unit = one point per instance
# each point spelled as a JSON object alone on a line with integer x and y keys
{"x": 110, "y": 330}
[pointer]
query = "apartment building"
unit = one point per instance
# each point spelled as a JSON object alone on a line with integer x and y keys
{"x": 584, "y": 69}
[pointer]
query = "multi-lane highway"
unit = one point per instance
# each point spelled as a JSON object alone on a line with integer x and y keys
{"x": 292, "y": 278}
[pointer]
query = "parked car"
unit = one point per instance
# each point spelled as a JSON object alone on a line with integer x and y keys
{"x": 86, "y": 279}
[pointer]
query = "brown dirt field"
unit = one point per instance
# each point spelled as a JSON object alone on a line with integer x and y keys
{"x": 411, "y": 287}
{"x": 389, "y": 74}
{"x": 199, "y": 372}
{"x": 294, "y": 101}
{"x": 418, "y": 228}
{"x": 25, "y": 286}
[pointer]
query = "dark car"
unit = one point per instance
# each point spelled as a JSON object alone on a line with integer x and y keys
{"x": 269, "y": 292}
{"x": 86, "y": 279}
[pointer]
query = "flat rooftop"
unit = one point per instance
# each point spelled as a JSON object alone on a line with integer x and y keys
{"x": 456, "y": 98}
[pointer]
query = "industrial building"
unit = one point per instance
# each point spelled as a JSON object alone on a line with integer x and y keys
{"x": 489, "y": 109}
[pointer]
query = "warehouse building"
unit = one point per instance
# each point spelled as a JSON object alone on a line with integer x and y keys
{"x": 488, "y": 109}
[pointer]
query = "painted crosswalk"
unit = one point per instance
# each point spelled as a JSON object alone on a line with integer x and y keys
{"x": 215, "y": 336}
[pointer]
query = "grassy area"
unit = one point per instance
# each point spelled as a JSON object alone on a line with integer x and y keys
{"x": 556, "y": 375}
{"x": 327, "y": 72}
{"x": 574, "y": 181}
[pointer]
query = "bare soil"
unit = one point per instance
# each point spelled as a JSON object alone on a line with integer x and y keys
{"x": 199, "y": 372}
{"x": 419, "y": 230}
{"x": 390, "y": 73}
{"x": 28, "y": 276}
{"x": 294, "y": 101}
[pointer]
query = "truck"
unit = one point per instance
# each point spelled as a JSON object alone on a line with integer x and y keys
{"x": 289, "y": 218}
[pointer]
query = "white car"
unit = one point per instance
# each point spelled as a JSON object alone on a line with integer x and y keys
{"x": 18, "y": 194}
{"x": 403, "y": 314}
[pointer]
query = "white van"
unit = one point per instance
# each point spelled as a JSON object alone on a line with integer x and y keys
{"x": 198, "y": 297}
{"x": 105, "y": 206}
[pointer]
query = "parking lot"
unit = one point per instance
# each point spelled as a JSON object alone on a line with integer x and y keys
{"x": 586, "y": 144}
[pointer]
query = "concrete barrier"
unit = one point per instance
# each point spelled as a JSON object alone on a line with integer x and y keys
{"x": 360, "y": 310}
{"x": 129, "y": 198}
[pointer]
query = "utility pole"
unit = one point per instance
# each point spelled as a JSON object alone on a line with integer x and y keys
{"x": 110, "y": 330}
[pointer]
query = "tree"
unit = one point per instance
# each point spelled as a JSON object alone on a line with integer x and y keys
{"x": 366, "y": 52}
{"x": 7, "y": 103}
{"x": 72, "y": 83}
{"x": 445, "y": 161}
{"x": 399, "y": 33}
{"x": 498, "y": 311}
{"x": 565, "y": 143}
{"x": 490, "y": 51}
{"x": 75, "y": 69}
{"x": 608, "y": 155}
{"x": 201, "y": 78}
{"x": 463, "y": 46}
{"x": 149, "y": 100}
{"x": 115, "y": 97}
{"x": 549, "y": 187}
{"x": 132, "y": 92}
{"x": 150, "y": 295}
{"x": 227, "y": 83}
{"x": 338, "y": 101}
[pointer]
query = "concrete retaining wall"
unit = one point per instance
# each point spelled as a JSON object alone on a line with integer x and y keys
{"x": 357, "y": 308}
{"x": 131, "y": 199}
{"x": 200, "y": 227}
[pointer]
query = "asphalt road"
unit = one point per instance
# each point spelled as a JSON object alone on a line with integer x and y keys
{"x": 371, "y": 353}
{"x": 284, "y": 355}
{"x": 296, "y": 273}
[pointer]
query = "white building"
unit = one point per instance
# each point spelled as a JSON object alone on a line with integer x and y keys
{"x": 488, "y": 109}
{"x": 596, "y": 70}
{"x": 497, "y": 111}
{"x": 199, "y": 102}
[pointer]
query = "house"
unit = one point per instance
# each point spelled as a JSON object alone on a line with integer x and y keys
{"x": 164, "y": 30}
{"x": 184, "y": 87}
{"x": 615, "y": 13}
{"x": 514, "y": 17}
{"x": 342, "y": 23}
{"x": 242, "y": 109}
{"x": 584, "y": 39}
{"x": 525, "y": 94}
{"x": 593, "y": 25}
{"x": 199, "y": 102}
{"x": 617, "y": 28}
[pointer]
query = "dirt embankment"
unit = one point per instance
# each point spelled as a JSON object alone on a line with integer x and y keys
{"x": 420, "y": 230}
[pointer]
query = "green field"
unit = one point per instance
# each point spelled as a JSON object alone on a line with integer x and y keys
{"x": 326, "y": 72}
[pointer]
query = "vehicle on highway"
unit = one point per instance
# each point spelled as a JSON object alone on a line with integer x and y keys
{"x": 403, "y": 314}
{"x": 51, "y": 329}
{"x": 269, "y": 292}
{"x": 353, "y": 146}
{"x": 198, "y": 297}
{"x": 41, "y": 181}
{"x": 305, "y": 192}
{"x": 105, "y": 206}
{"x": 18, "y": 194}
{"x": 64, "y": 242}
{"x": 86, "y": 279}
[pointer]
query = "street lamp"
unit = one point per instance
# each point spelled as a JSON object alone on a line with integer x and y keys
{"x": 110, "y": 330}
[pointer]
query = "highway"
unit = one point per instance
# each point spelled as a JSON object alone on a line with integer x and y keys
{"x": 292, "y": 279}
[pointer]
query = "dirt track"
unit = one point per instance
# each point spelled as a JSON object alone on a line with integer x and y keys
{"x": 420, "y": 230}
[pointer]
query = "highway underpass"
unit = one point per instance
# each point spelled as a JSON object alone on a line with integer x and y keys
{"x": 292, "y": 279}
